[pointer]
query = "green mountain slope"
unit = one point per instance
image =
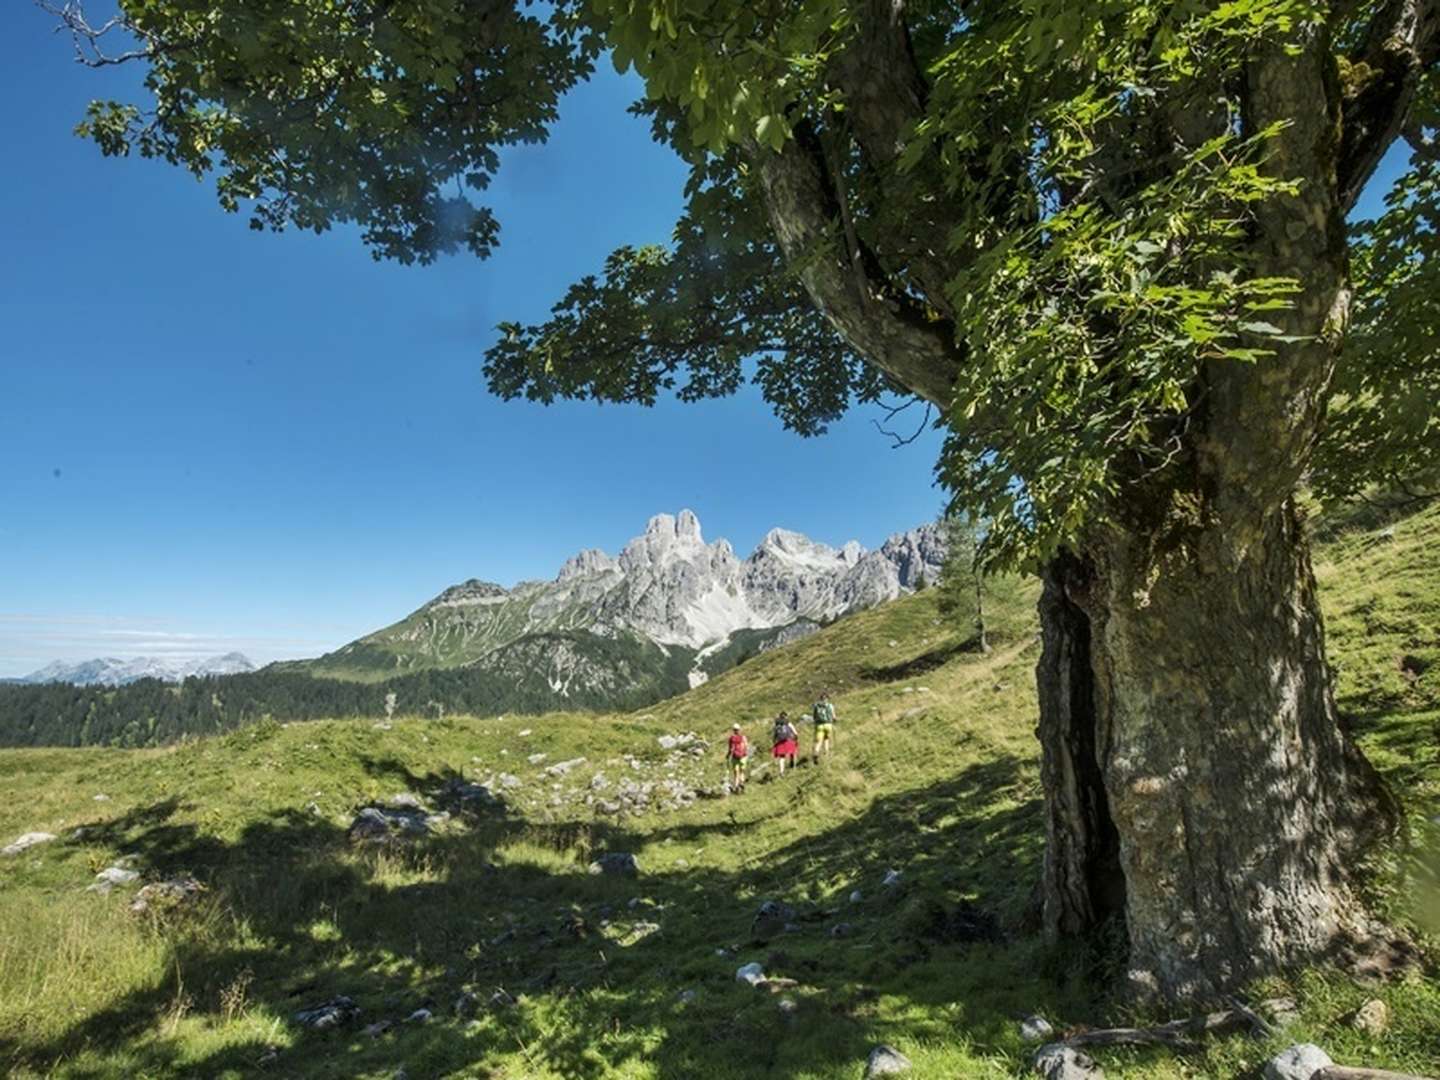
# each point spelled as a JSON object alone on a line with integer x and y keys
{"x": 560, "y": 973}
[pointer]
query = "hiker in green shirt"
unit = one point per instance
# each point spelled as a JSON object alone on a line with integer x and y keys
{"x": 824, "y": 715}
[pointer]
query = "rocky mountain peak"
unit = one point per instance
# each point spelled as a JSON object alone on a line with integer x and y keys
{"x": 473, "y": 591}
{"x": 587, "y": 563}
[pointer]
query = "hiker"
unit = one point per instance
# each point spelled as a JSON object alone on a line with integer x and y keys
{"x": 787, "y": 741}
{"x": 824, "y": 716}
{"x": 736, "y": 754}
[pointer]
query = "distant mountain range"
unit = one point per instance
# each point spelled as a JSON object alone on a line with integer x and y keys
{"x": 668, "y": 612}
{"x": 109, "y": 671}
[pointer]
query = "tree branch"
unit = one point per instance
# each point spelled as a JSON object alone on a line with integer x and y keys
{"x": 1380, "y": 78}
{"x": 885, "y": 95}
{"x": 888, "y": 330}
{"x": 892, "y": 411}
{"x": 87, "y": 38}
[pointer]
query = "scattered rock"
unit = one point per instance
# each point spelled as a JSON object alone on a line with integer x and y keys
{"x": 27, "y": 841}
{"x": 841, "y": 929}
{"x": 770, "y": 920}
{"x": 857, "y": 897}
{"x": 1035, "y": 1029}
{"x": 405, "y": 801}
{"x": 163, "y": 895}
{"x": 753, "y": 974}
{"x": 536, "y": 759}
{"x": 101, "y": 798}
{"x": 466, "y": 1004}
{"x": 334, "y": 1013}
{"x": 1282, "y": 1011}
{"x": 509, "y": 781}
{"x": 375, "y": 1030}
{"x": 1057, "y": 1062}
{"x": 892, "y": 879}
{"x": 469, "y": 794}
{"x": 1372, "y": 1018}
{"x": 1299, "y": 1062}
{"x": 524, "y": 733}
{"x": 886, "y": 1061}
{"x": 111, "y": 876}
{"x": 685, "y": 997}
{"x": 1386, "y": 533}
{"x": 787, "y": 1006}
{"x": 560, "y": 768}
{"x": 420, "y": 1016}
{"x": 374, "y": 824}
{"x": 501, "y": 999}
{"x": 621, "y": 863}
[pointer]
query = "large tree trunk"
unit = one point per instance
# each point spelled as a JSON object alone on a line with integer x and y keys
{"x": 1198, "y": 782}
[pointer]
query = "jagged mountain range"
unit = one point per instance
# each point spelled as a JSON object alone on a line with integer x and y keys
{"x": 109, "y": 671}
{"x": 674, "y": 608}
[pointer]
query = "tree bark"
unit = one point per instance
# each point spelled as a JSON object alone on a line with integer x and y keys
{"x": 1198, "y": 782}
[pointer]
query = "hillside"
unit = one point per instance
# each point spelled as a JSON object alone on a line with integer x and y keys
{"x": 530, "y": 966}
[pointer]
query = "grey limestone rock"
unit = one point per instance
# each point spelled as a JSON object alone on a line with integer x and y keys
{"x": 1058, "y": 1062}
{"x": 1298, "y": 1062}
{"x": 26, "y": 841}
{"x": 886, "y": 1061}
{"x": 619, "y": 863}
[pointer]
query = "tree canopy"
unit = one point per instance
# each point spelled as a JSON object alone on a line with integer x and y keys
{"x": 1029, "y": 214}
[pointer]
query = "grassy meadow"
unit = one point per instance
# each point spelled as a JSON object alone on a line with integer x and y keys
{"x": 530, "y": 966}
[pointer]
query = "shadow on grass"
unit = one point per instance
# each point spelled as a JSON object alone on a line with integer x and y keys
{"x": 574, "y": 973}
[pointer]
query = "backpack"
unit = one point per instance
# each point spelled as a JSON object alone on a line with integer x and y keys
{"x": 824, "y": 712}
{"x": 783, "y": 731}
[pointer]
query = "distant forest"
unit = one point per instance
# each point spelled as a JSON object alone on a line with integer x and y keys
{"x": 152, "y": 713}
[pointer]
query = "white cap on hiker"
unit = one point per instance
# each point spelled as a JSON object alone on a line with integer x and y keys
{"x": 734, "y": 727}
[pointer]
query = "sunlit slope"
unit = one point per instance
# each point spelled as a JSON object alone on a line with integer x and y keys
{"x": 578, "y": 975}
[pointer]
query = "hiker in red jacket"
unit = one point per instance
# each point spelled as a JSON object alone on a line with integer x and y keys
{"x": 736, "y": 755}
{"x": 787, "y": 742}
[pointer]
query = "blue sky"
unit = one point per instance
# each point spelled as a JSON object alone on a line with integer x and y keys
{"x": 212, "y": 438}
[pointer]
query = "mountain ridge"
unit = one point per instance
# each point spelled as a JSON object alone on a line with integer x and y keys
{"x": 667, "y": 588}
{"x": 113, "y": 671}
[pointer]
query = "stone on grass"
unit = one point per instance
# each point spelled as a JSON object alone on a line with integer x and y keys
{"x": 620, "y": 863}
{"x": 1372, "y": 1018}
{"x": 857, "y": 897}
{"x": 420, "y": 1016}
{"x": 841, "y": 929}
{"x": 373, "y": 824}
{"x": 536, "y": 759}
{"x": 164, "y": 895}
{"x": 27, "y": 841}
{"x": 1035, "y": 1029}
{"x": 751, "y": 974}
{"x": 787, "y": 1006}
{"x": 770, "y": 920}
{"x": 375, "y": 1030}
{"x": 466, "y": 1004}
{"x": 1299, "y": 1062}
{"x": 1058, "y": 1062}
{"x": 334, "y": 1013}
{"x": 886, "y": 1061}
{"x": 892, "y": 879}
{"x": 111, "y": 876}
{"x": 685, "y": 997}
{"x": 405, "y": 801}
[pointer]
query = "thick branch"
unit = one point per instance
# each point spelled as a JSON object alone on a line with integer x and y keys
{"x": 918, "y": 353}
{"x": 1380, "y": 80}
{"x": 884, "y": 98}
